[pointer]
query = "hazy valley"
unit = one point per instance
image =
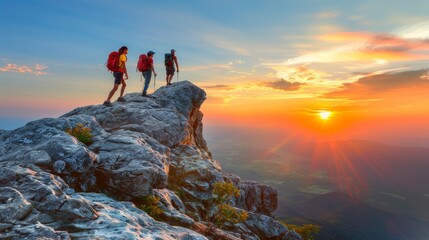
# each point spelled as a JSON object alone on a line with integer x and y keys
{"x": 354, "y": 189}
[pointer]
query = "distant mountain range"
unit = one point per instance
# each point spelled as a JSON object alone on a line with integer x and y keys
{"x": 354, "y": 189}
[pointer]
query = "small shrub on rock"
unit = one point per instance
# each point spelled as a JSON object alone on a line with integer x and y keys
{"x": 83, "y": 134}
{"x": 223, "y": 192}
{"x": 149, "y": 204}
{"x": 307, "y": 231}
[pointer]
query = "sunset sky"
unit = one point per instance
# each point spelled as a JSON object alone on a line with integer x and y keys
{"x": 342, "y": 69}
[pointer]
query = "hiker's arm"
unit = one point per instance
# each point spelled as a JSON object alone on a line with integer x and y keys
{"x": 153, "y": 70}
{"x": 177, "y": 64}
{"x": 125, "y": 71}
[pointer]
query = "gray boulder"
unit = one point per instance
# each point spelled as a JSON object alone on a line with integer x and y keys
{"x": 260, "y": 226}
{"x": 14, "y": 206}
{"x": 131, "y": 164}
{"x": 35, "y": 231}
{"x": 45, "y": 143}
{"x": 171, "y": 116}
{"x": 43, "y": 193}
{"x": 122, "y": 220}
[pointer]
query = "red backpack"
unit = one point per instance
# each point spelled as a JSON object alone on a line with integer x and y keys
{"x": 112, "y": 61}
{"x": 142, "y": 63}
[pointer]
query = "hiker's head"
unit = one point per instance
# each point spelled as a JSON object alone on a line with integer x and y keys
{"x": 150, "y": 53}
{"x": 123, "y": 49}
{"x": 173, "y": 51}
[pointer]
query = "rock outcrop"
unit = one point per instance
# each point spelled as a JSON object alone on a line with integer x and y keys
{"x": 52, "y": 186}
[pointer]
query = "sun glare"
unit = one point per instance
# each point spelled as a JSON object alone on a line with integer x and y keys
{"x": 325, "y": 115}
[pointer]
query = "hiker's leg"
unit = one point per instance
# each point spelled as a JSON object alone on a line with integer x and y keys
{"x": 124, "y": 85}
{"x": 147, "y": 75}
{"x": 115, "y": 87}
{"x": 118, "y": 78}
{"x": 170, "y": 73}
{"x": 168, "y": 79}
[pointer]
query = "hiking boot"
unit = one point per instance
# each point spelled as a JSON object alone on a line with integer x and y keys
{"x": 144, "y": 95}
{"x": 121, "y": 99}
{"x": 107, "y": 104}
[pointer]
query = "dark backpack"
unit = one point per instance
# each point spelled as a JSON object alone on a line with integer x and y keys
{"x": 113, "y": 61}
{"x": 168, "y": 61}
{"x": 142, "y": 64}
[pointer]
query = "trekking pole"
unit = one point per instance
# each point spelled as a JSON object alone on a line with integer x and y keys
{"x": 154, "y": 82}
{"x": 177, "y": 78}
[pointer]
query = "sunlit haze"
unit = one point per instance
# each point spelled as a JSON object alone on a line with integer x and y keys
{"x": 337, "y": 70}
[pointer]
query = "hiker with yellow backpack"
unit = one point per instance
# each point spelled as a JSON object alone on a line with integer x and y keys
{"x": 116, "y": 64}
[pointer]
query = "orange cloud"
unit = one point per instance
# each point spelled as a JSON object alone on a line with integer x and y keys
{"x": 375, "y": 86}
{"x": 37, "y": 69}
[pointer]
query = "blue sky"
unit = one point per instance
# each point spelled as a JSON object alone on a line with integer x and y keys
{"x": 293, "y": 54}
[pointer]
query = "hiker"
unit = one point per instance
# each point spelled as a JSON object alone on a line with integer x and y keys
{"x": 147, "y": 73}
{"x": 118, "y": 74}
{"x": 170, "y": 60}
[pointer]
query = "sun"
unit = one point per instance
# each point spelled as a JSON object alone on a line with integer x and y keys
{"x": 325, "y": 115}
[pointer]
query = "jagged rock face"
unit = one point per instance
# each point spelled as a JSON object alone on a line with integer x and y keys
{"x": 130, "y": 164}
{"x": 193, "y": 172}
{"x": 254, "y": 197}
{"x": 35, "y": 203}
{"x": 264, "y": 226}
{"x": 174, "y": 210}
{"x": 52, "y": 185}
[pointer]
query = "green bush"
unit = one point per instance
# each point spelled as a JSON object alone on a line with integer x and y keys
{"x": 223, "y": 192}
{"x": 307, "y": 231}
{"x": 149, "y": 204}
{"x": 80, "y": 132}
{"x": 229, "y": 214}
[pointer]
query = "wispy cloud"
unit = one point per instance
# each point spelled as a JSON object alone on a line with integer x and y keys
{"x": 297, "y": 73}
{"x": 376, "y": 49}
{"x": 417, "y": 31}
{"x": 37, "y": 69}
{"x": 219, "y": 86}
{"x": 226, "y": 44}
{"x": 327, "y": 15}
{"x": 215, "y": 100}
{"x": 283, "y": 85}
{"x": 205, "y": 67}
{"x": 406, "y": 44}
{"x": 345, "y": 36}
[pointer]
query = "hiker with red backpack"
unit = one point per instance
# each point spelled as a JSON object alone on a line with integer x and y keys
{"x": 170, "y": 60}
{"x": 116, "y": 64}
{"x": 145, "y": 65}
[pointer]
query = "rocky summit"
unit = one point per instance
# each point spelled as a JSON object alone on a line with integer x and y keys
{"x": 52, "y": 186}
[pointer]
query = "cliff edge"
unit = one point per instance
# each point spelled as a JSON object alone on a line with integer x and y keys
{"x": 53, "y": 186}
